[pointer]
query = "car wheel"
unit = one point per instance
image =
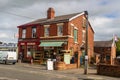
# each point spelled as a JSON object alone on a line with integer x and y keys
{"x": 5, "y": 62}
{"x": 13, "y": 63}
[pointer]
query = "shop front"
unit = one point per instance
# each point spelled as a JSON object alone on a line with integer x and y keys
{"x": 27, "y": 49}
{"x": 63, "y": 55}
{"x": 52, "y": 48}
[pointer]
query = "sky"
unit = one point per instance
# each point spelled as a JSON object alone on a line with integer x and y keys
{"x": 104, "y": 15}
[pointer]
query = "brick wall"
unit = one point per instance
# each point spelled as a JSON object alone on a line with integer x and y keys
{"x": 20, "y": 32}
{"x": 109, "y": 70}
{"x": 90, "y": 43}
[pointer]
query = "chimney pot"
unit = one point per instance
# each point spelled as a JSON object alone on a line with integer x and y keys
{"x": 50, "y": 13}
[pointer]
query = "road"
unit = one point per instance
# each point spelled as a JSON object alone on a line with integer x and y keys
{"x": 39, "y": 72}
{"x": 24, "y": 72}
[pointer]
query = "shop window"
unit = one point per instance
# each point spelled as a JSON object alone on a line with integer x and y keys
{"x": 47, "y": 30}
{"x": 107, "y": 57}
{"x": 75, "y": 35}
{"x": 71, "y": 51}
{"x": 28, "y": 52}
{"x": 48, "y": 54}
{"x": 33, "y": 32}
{"x": 23, "y": 33}
{"x": 60, "y": 30}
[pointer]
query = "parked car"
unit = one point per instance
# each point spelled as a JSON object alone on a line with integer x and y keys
{"x": 118, "y": 57}
{"x": 8, "y": 57}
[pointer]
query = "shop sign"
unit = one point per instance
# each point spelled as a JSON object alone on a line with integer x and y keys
{"x": 67, "y": 58}
{"x": 22, "y": 43}
{"x": 30, "y": 43}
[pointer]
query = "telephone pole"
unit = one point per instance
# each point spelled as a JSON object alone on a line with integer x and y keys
{"x": 86, "y": 45}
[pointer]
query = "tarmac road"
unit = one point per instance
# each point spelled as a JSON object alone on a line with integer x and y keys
{"x": 25, "y": 71}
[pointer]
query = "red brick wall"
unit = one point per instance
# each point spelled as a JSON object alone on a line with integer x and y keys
{"x": 65, "y": 29}
{"x": 109, "y": 70}
{"x": 78, "y": 23}
{"x": 38, "y": 31}
{"x": 90, "y": 42}
{"x": 20, "y": 32}
{"x": 28, "y": 32}
{"x": 41, "y": 31}
{"x": 113, "y": 54}
{"x": 53, "y": 30}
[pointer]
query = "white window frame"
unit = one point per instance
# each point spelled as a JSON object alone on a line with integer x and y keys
{"x": 83, "y": 36}
{"x": 84, "y": 22}
{"x": 46, "y": 30}
{"x": 60, "y": 29}
{"x": 23, "y": 33}
{"x": 34, "y": 32}
{"x": 75, "y": 40}
{"x": 72, "y": 30}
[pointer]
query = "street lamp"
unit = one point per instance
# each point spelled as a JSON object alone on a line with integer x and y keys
{"x": 86, "y": 45}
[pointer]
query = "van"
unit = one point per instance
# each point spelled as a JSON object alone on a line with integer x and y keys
{"x": 8, "y": 57}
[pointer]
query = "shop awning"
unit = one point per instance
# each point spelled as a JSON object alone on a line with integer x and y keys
{"x": 50, "y": 44}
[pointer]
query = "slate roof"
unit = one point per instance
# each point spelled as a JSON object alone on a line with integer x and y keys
{"x": 57, "y": 19}
{"x": 103, "y": 43}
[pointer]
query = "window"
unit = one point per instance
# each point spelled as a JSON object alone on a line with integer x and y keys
{"x": 29, "y": 51}
{"x": 75, "y": 35}
{"x": 84, "y": 22}
{"x": 71, "y": 30}
{"x": 83, "y": 35}
{"x": 46, "y": 34}
{"x": 23, "y": 33}
{"x": 60, "y": 30}
{"x": 107, "y": 57}
{"x": 34, "y": 32}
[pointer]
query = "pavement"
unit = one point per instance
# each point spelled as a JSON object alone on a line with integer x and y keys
{"x": 71, "y": 74}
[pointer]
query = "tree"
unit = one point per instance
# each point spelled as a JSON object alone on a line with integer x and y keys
{"x": 118, "y": 47}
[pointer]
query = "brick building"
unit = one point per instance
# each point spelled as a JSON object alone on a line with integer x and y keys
{"x": 61, "y": 34}
{"x": 105, "y": 51}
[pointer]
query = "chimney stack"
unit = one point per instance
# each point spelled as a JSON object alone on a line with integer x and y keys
{"x": 50, "y": 13}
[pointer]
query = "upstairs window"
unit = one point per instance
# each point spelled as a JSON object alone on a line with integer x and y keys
{"x": 33, "y": 32}
{"x": 75, "y": 35}
{"x": 83, "y": 35}
{"x": 84, "y": 22}
{"x": 60, "y": 30}
{"x": 46, "y": 31}
{"x": 23, "y": 33}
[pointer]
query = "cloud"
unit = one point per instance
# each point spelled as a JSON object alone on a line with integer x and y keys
{"x": 3, "y": 35}
{"x": 104, "y": 15}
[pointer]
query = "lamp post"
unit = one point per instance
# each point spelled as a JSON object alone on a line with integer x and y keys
{"x": 86, "y": 45}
